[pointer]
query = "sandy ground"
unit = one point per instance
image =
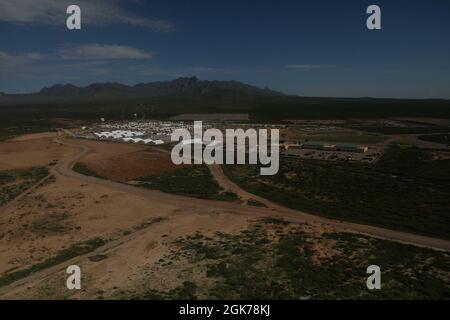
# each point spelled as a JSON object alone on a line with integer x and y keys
{"x": 75, "y": 208}
{"x": 31, "y": 150}
{"x": 124, "y": 162}
{"x": 129, "y": 261}
{"x": 35, "y": 136}
{"x": 66, "y": 211}
{"x": 81, "y": 212}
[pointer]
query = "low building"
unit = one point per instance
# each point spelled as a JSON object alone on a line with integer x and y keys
{"x": 318, "y": 145}
{"x": 345, "y": 147}
{"x": 351, "y": 147}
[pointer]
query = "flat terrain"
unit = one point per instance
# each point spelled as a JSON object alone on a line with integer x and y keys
{"x": 125, "y": 162}
{"x": 212, "y": 116}
{"x": 443, "y": 138}
{"x": 192, "y": 181}
{"x": 140, "y": 243}
{"x": 148, "y": 167}
{"x": 31, "y": 151}
{"x": 331, "y": 134}
{"x": 362, "y": 192}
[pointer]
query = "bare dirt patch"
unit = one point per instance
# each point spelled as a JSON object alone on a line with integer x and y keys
{"x": 62, "y": 213}
{"x": 31, "y": 151}
{"x": 121, "y": 162}
{"x": 130, "y": 166}
{"x": 35, "y": 136}
{"x": 127, "y": 268}
{"x": 141, "y": 234}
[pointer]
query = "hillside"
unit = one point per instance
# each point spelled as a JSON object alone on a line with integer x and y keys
{"x": 165, "y": 99}
{"x": 181, "y": 87}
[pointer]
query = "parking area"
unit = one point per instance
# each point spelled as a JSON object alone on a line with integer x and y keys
{"x": 370, "y": 156}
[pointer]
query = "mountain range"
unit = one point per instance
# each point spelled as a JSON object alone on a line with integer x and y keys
{"x": 164, "y": 99}
{"x": 190, "y": 87}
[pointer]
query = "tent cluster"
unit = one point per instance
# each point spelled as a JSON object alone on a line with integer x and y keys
{"x": 145, "y": 141}
{"x": 119, "y": 134}
{"x": 162, "y": 128}
{"x": 127, "y": 136}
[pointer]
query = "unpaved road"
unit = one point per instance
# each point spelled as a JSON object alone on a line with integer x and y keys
{"x": 23, "y": 194}
{"x": 65, "y": 169}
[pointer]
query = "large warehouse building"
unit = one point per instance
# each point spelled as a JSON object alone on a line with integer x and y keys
{"x": 346, "y": 147}
{"x": 351, "y": 147}
{"x": 318, "y": 145}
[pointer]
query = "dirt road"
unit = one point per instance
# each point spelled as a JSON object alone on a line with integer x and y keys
{"x": 190, "y": 207}
{"x": 23, "y": 194}
{"x": 65, "y": 169}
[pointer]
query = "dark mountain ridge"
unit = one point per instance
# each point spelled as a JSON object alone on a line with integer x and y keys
{"x": 189, "y": 87}
{"x": 163, "y": 99}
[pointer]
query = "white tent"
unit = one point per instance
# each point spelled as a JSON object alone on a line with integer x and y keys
{"x": 193, "y": 141}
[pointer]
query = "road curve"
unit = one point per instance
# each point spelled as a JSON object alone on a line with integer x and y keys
{"x": 65, "y": 169}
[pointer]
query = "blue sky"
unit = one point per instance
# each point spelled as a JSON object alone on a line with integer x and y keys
{"x": 310, "y": 48}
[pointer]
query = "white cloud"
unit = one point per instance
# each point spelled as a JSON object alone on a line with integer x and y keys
{"x": 102, "y": 51}
{"x": 229, "y": 71}
{"x": 93, "y": 12}
{"x": 307, "y": 66}
{"x": 145, "y": 70}
{"x": 10, "y": 61}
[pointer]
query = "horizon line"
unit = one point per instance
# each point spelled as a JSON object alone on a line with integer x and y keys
{"x": 191, "y": 77}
